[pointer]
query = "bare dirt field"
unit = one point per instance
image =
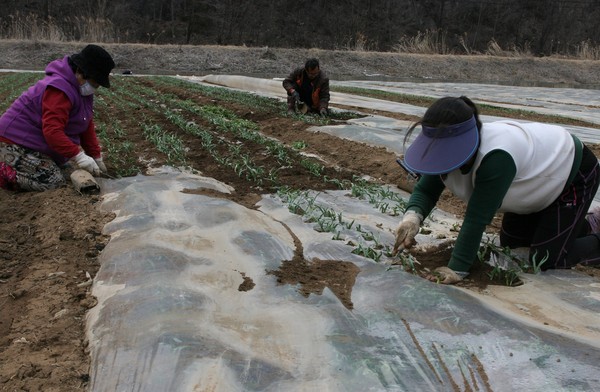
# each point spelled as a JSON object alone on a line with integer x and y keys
{"x": 50, "y": 242}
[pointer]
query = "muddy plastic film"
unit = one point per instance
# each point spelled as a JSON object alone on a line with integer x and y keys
{"x": 176, "y": 313}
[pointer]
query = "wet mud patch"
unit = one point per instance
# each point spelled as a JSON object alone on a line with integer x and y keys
{"x": 247, "y": 285}
{"x": 339, "y": 276}
{"x": 313, "y": 277}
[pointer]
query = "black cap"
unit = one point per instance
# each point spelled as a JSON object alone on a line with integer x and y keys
{"x": 96, "y": 63}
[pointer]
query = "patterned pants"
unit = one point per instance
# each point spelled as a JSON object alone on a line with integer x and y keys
{"x": 27, "y": 170}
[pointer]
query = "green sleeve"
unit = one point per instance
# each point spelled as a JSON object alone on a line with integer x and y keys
{"x": 493, "y": 178}
{"x": 425, "y": 194}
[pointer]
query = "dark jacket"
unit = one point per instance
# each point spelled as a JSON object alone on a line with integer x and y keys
{"x": 317, "y": 89}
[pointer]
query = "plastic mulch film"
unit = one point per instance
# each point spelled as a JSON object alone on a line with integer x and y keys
{"x": 187, "y": 301}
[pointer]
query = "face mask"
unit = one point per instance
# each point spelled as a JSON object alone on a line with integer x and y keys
{"x": 86, "y": 89}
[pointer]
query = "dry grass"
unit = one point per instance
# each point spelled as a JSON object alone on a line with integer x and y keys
{"x": 427, "y": 42}
{"x": 494, "y": 49}
{"x": 586, "y": 51}
{"x": 435, "y": 42}
{"x": 87, "y": 29}
{"x": 359, "y": 43}
{"x": 32, "y": 27}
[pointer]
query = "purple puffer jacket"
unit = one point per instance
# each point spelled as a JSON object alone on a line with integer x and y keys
{"x": 22, "y": 122}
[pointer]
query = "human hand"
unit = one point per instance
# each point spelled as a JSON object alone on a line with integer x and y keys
{"x": 101, "y": 165}
{"x": 407, "y": 230}
{"x": 87, "y": 163}
{"x": 446, "y": 275}
{"x": 295, "y": 96}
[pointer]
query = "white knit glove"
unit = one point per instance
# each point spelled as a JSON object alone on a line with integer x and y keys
{"x": 446, "y": 275}
{"x": 101, "y": 164}
{"x": 407, "y": 230}
{"x": 86, "y": 163}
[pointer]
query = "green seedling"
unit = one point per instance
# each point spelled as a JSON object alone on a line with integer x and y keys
{"x": 509, "y": 276}
{"x": 341, "y": 184}
{"x": 326, "y": 225}
{"x": 368, "y": 236}
{"x": 299, "y": 145}
{"x": 408, "y": 261}
{"x": 314, "y": 168}
{"x": 537, "y": 265}
{"x": 383, "y": 207}
{"x": 367, "y": 252}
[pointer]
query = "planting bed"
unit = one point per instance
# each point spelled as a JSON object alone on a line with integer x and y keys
{"x": 50, "y": 242}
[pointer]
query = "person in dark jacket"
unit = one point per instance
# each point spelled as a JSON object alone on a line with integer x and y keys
{"x": 51, "y": 124}
{"x": 309, "y": 85}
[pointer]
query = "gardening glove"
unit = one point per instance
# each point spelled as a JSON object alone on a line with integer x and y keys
{"x": 446, "y": 275}
{"x": 407, "y": 230}
{"x": 323, "y": 112}
{"x": 101, "y": 165}
{"x": 295, "y": 96}
{"x": 86, "y": 163}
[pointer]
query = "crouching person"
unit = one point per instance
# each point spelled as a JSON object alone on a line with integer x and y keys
{"x": 309, "y": 85}
{"x": 51, "y": 124}
{"x": 539, "y": 175}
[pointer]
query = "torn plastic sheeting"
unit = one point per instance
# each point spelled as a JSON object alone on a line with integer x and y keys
{"x": 170, "y": 316}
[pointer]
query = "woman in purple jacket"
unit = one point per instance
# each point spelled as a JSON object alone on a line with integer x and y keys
{"x": 51, "y": 124}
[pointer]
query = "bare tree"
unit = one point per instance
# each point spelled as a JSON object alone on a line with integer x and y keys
{"x": 550, "y": 26}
